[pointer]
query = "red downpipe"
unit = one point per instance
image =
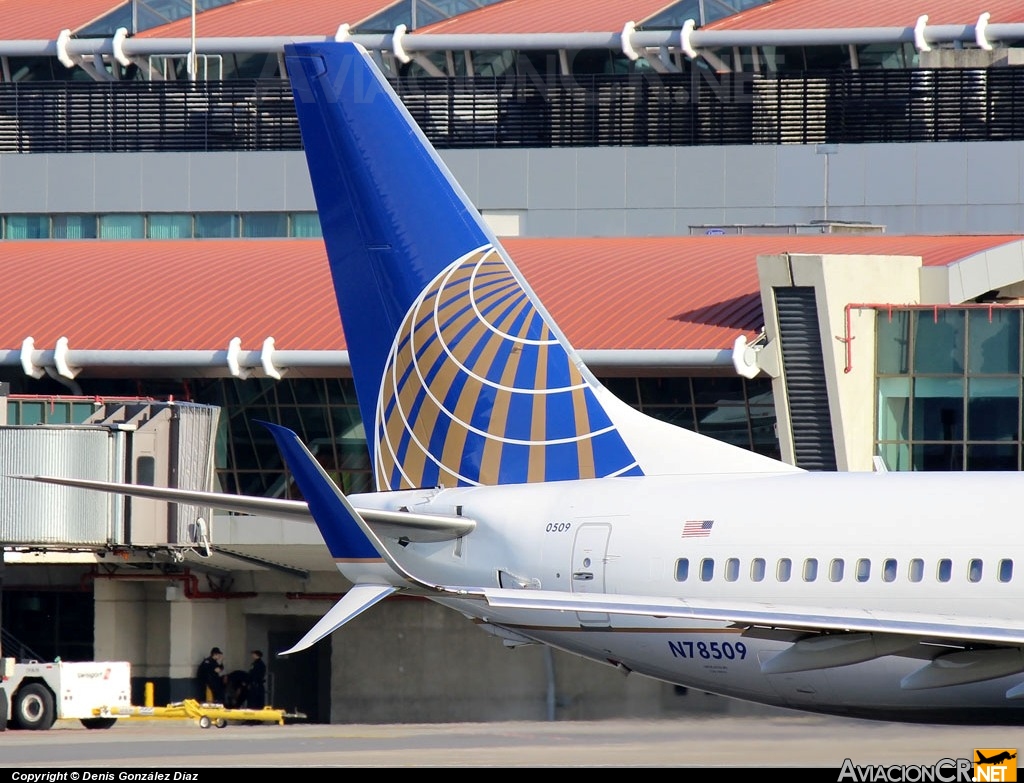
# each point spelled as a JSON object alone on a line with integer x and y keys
{"x": 847, "y": 338}
{"x": 190, "y": 583}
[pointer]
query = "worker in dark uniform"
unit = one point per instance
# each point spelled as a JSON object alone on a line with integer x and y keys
{"x": 210, "y": 677}
{"x": 256, "y": 694}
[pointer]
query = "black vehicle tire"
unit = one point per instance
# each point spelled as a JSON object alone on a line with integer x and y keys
{"x": 33, "y": 707}
{"x": 98, "y": 723}
{"x": 3, "y": 710}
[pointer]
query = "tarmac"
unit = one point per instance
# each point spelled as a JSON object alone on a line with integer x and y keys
{"x": 181, "y": 745}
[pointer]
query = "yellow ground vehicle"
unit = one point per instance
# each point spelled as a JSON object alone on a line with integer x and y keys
{"x": 204, "y": 713}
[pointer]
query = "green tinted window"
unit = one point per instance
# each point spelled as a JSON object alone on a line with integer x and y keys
{"x": 939, "y": 342}
{"x": 994, "y": 345}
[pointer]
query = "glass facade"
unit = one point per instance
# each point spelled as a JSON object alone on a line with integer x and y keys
{"x": 162, "y": 225}
{"x": 325, "y": 414}
{"x": 738, "y": 411}
{"x": 701, "y": 11}
{"x": 138, "y": 15}
{"x": 418, "y": 13}
{"x": 949, "y": 388}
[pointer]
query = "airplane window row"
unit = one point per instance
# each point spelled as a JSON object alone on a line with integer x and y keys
{"x": 836, "y": 571}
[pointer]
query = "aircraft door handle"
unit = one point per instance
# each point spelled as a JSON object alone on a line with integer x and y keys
{"x": 583, "y": 576}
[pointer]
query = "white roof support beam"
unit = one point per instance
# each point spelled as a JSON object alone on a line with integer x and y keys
{"x": 215, "y": 364}
{"x": 60, "y": 360}
{"x": 30, "y": 365}
{"x": 267, "y": 359}
{"x": 235, "y": 366}
{"x": 660, "y": 61}
{"x": 626, "y": 43}
{"x": 686, "y": 40}
{"x": 666, "y": 58}
{"x": 56, "y": 363}
{"x": 715, "y": 61}
{"x": 980, "y": 36}
{"x": 117, "y": 44}
{"x": 686, "y": 43}
{"x": 402, "y": 44}
{"x": 427, "y": 65}
{"x": 61, "y": 49}
{"x": 95, "y": 67}
{"x": 920, "y": 40}
{"x": 397, "y": 47}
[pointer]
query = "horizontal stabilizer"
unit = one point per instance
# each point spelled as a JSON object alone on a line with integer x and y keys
{"x": 354, "y": 602}
{"x": 399, "y": 525}
{"x": 241, "y": 504}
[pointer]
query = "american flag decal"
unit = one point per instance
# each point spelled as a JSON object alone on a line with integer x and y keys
{"x": 698, "y": 528}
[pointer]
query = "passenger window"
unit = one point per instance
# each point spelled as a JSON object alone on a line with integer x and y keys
{"x": 889, "y": 570}
{"x": 916, "y": 569}
{"x": 732, "y": 569}
{"x": 757, "y": 569}
{"x": 835, "y": 570}
{"x": 945, "y": 570}
{"x": 784, "y": 569}
{"x": 863, "y": 569}
{"x": 707, "y": 569}
{"x": 682, "y": 569}
{"x": 810, "y": 569}
{"x": 1005, "y": 570}
{"x": 974, "y": 570}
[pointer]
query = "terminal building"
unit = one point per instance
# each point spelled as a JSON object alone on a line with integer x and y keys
{"x": 789, "y": 225}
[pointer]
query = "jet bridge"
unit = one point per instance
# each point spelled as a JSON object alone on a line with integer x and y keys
{"x": 168, "y": 444}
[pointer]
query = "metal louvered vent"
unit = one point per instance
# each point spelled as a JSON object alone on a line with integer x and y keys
{"x": 800, "y": 338}
{"x": 535, "y": 110}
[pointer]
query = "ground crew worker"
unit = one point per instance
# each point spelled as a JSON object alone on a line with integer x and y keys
{"x": 210, "y": 677}
{"x": 256, "y": 695}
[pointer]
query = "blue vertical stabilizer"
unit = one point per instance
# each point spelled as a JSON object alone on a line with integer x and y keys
{"x": 462, "y": 377}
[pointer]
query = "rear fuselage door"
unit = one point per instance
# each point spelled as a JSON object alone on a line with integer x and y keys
{"x": 589, "y": 553}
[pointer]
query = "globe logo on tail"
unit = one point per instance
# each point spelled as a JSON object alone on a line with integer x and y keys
{"x": 478, "y": 390}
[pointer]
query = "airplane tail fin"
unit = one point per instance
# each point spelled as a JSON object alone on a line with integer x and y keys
{"x": 462, "y": 376}
{"x": 357, "y": 552}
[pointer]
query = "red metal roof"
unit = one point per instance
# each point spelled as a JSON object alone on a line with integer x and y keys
{"x": 619, "y": 293}
{"x": 543, "y": 16}
{"x": 36, "y": 20}
{"x": 685, "y": 292}
{"x": 813, "y": 14}
{"x": 272, "y": 18}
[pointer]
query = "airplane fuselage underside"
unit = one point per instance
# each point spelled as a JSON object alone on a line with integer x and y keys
{"x": 719, "y": 659}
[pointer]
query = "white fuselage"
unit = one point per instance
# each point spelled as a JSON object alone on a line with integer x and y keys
{"x": 918, "y": 544}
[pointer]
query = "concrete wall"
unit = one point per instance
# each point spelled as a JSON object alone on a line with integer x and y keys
{"x": 939, "y": 188}
{"x": 404, "y": 661}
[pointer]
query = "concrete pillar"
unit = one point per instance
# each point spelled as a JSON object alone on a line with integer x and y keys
{"x": 159, "y": 630}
